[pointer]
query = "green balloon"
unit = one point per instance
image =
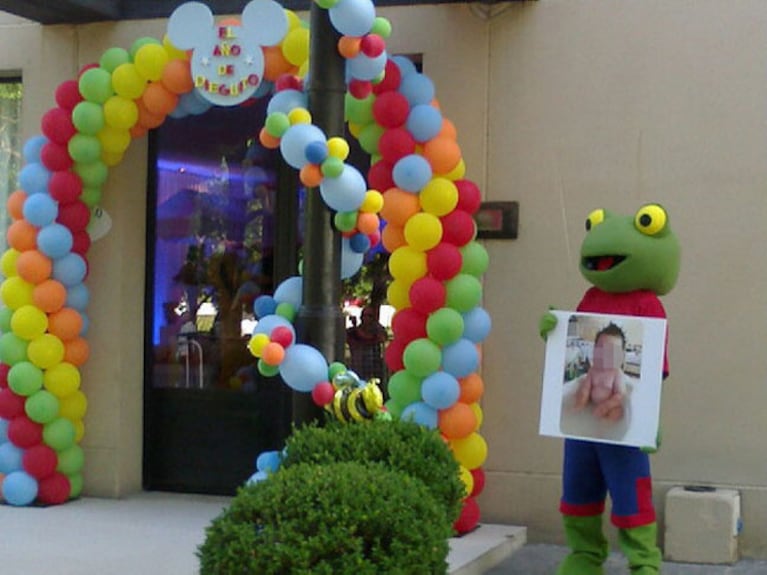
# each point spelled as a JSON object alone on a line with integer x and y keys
{"x": 359, "y": 111}
{"x": 445, "y": 326}
{"x": 286, "y": 310}
{"x": 42, "y": 407}
{"x": 25, "y": 378}
{"x": 13, "y": 349}
{"x": 88, "y": 118}
{"x": 475, "y": 259}
{"x": 113, "y": 58}
{"x": 6, "y": 314}
{"x": 71, "y": 460}
{"x": 84, "y": 149}
{"x": 59, "y": 434}
{"x": 75, "y": 485}
{"x": 464, "y": 292}
{"x": 369, "y": 136}
{"x": 345, "y": 221}
{"x": 96, "y": 85}
{"x": 422, "y": 357}
{"x": 394, "y": 408}
{"x": 267, "y": 370}
{"x": 91, "y": 196}
{"x": 335, "y": 368}
{"x": 332, "y": 167}
{"x": 404, "y": 388}
{"x": 326, "y": 4}
{"x": 277, "y": 123}
{"x": 381, "y": 26}
{"x": 93, "y": 175}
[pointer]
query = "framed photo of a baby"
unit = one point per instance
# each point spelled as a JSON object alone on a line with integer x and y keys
{"x": 602, "y": 378}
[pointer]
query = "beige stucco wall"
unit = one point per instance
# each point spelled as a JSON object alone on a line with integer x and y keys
{"x": 564, "y": 106}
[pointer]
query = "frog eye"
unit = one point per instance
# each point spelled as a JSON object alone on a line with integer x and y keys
{"x": 595, "y": 218}
{"x": 651, "y": 219}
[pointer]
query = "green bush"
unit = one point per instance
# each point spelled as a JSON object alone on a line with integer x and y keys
{"x": 335, "y": 519}
{"x": 400, "y": 445}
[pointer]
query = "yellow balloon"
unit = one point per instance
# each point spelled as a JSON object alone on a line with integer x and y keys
{"x": 114, "y": 140}
{"x": 173, "y": 52}
{"x": 295, "y": 46}
{"x": 45, "y": 351}
{"x": 127, "y": 82}
{"x": 475, "y": 407}
{"x": 15, "y": 292}
{"x": 8, "y": 263}
{"x": 73, "y": 406}
{"x": 439, "y": 196}
{"x": 29, "y": 322}
{"x": 150, "y": 61}
{"x": 355, "y": 129}
{"x": 470, "y": 451}
{"x": 257, "y": 344}
{"x": 293, "y": 20}
{"x": 62, "y": 380}
{"x": 110, "y": 158}
{"x": 373, "y": 202}
{"x": 458, "y": 172}
{"x": 120, "y": 113}
{"x": 299, "y": 116}
{"x": 303, "y": 69}
{"x": 467, "y": 479}
{"x": 407, "y": 264}
{"x": 338, "y": 148}
{"x": 79, "y": 430}
{"x": 398, "y": 294}
{"x": 423, "y": 231}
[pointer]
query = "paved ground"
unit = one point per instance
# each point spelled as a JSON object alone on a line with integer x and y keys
{"x": 543, "y": 560}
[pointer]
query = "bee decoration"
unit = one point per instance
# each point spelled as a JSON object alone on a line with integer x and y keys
{"x": 355, "y": 400}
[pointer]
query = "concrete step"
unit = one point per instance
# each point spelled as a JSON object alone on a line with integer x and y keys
{"x": 483, "y": 548}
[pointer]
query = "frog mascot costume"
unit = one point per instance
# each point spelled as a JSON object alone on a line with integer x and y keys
{"x": 630, "y": 261}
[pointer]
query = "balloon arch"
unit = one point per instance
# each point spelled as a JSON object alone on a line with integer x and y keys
{"x": 415, "y": 185}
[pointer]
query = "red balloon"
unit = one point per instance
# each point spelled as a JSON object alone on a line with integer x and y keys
{"x": 55, "y": 157}
{"x": 393, "y": 355}
{"x": 81, "y": 243}
{"x": 40, "y": 461}
{"x": 391, "y": 109}
{"x": 87, "y": 67}
{"x": 372, "y": 45}
{"x": 380, "y": 176}
{"x": 391, "y": 80}
{"x": 57, "y": 125}
{"x": 4, "y": 369}
{"x": 375, "y": 238}
{"x": 54, "y": 490}
{"x": 75, "y": 216}
{"x": 444, "y": 261}
{"x": 282, "y": 335}
{"x": 68, "y": 95}
{"x": 360, "y": 89}
{"x": 11, "y": 405}
{"x": 469, "y": 517}
{"x": 458, "y": 228}
{"x": 408, "y": 324}
{"x": 65, "y": 187}
{"x": 427, "y": 295}
{"x": 323, "y": 393}
{"x": 469, "y": 196}
{"x": 395, "y": 144}
{"x": 479, "y": 481}
{"x": 288, "y": 82}
{"x": 24, "y": 433}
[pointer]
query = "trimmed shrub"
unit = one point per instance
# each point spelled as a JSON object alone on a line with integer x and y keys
{"x": 336, "y": 519}
{"x": 401, "y": 445}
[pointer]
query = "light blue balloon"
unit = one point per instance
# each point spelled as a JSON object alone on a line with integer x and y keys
{"x": 417, "y": 88}
{"x": 405, "y": 65}
{"x": 86, "y": 325}
{"x": 346, "y": 192}
{"x": 69, "y": 269}
{"x": 264, "y": 305}
{"x": 412, "y": 173}
{"x": 263, "y": 89}
{"x": 424, "y": 122}
{"x": 291, "y": 291}
{"x": 294, "y": 141}
{"x": 440, "y": 390}
{"x": 55, "y": 241}
{"x": 460, "y": 358}
{"x": 267, "y": 323}
{"x": 476, "y": 324}
{"x": 10, "y": 458}
{"x": 3, "y": 430}
{"x": 353, "y": 17}
{"x": 78, "y": 297}
{"x": 351, "y": 261}
{"x": 286, "y": 100}
{"x": 363, "y": 67}
{"x": 40, "y": 210}
{"x": 33, "y": 148}
{"x": 257, "y": 477}
{"x": 303, "y": 367}
{"x": 422, "y": 414}
{"x": 34, "y": 178}
{"x": 19, "y": 488}
{"x": 178, "y": 112}
{"x": 268, "y": 461}
{"x": 194, "y": 104}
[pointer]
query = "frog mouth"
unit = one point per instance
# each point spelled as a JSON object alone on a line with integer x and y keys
{"x": 602, "y": 263}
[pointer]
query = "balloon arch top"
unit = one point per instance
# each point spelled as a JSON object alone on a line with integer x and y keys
{"x": 415, "y": 187}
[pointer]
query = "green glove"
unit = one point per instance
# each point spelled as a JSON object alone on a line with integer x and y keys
{"x": 658, "y": 441}
{"x": 547, "y": 322}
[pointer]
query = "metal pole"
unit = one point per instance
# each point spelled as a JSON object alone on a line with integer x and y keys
{"x": 320, "y": 321}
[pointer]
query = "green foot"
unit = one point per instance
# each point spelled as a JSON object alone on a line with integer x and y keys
{"x": 580, "y": 564}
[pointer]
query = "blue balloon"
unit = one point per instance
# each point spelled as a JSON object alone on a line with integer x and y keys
{"x": 353, "y": 17}
{"x": 3, "y": 430}
{"x": 405, "y": 65}
{"x": 359, "y": 243}
{"x": 363, "y": 67}
{"x": 346, "y": 192}
{"x": 295, "y": 140}
{"x": 460, "y": 358}
{"x": 440, "y": 390}
{"x": 264, "y": 305}
{"x": 256, "y": 477}
{"x": 291, "y": 290}
{"x": 424, "y": 122}
{"x": 34, "y": 179}
{"x": 476, "y": 324}
{"x": 351, "y": 261}
{"x": 267, "y": 323}
{"x": 10, "y": 457}
{"x": 422, "y": 414}
{"x": 40, "y": 210}
{"x": 194, "y": 104}
{"x": 412, "y": 173}
{"x": 268, "y": 461}
{"x": 417, "y": 88}
{"x": 178, "y": 112}
{"x": 303, "y": 367}
{"x": 286, "y": 100}
{"x": 70, "y": 269}
{"x": 19, "y": 488}
{"x": 78, "y": 297}
{"x": 33, "y": 147}
{"x": 263, "y": 89}
{"x": 55, "y": 241}
{"x": 86, "y": 324}
{"x": 317, "y": 152}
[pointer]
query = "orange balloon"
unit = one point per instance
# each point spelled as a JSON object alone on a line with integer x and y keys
{"x": 457, "y": 421}
{"x": 267, "y": 140}
{"x": 76, "y": 351}
{"x": 367, "y": 223}
{"x": 273, "y": 353}
{"x": 349, "y": 46}
{"x": 49, "y": 296}
{"x": 138, "y": 131}
{"x": 399, "y": 206}
{"x": 275, "y": 64}
{"x": 158, "y": 100}
{"x": 177, "y": 77}
{"x": 147, "y": 119}
{"x": 15, "y": 204}
{"x": 22, "y": 236}
{"x": 393, "y": 237}
{"x": 442, "y": 153}
{"x": 472, "y": 388}
{"x": 311, "y": 175}
{"x": 448, "y": 130}
{"x": 66, "y": 324}
{"x": 34, "y": 266}
{"x": 231, "y": 21}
